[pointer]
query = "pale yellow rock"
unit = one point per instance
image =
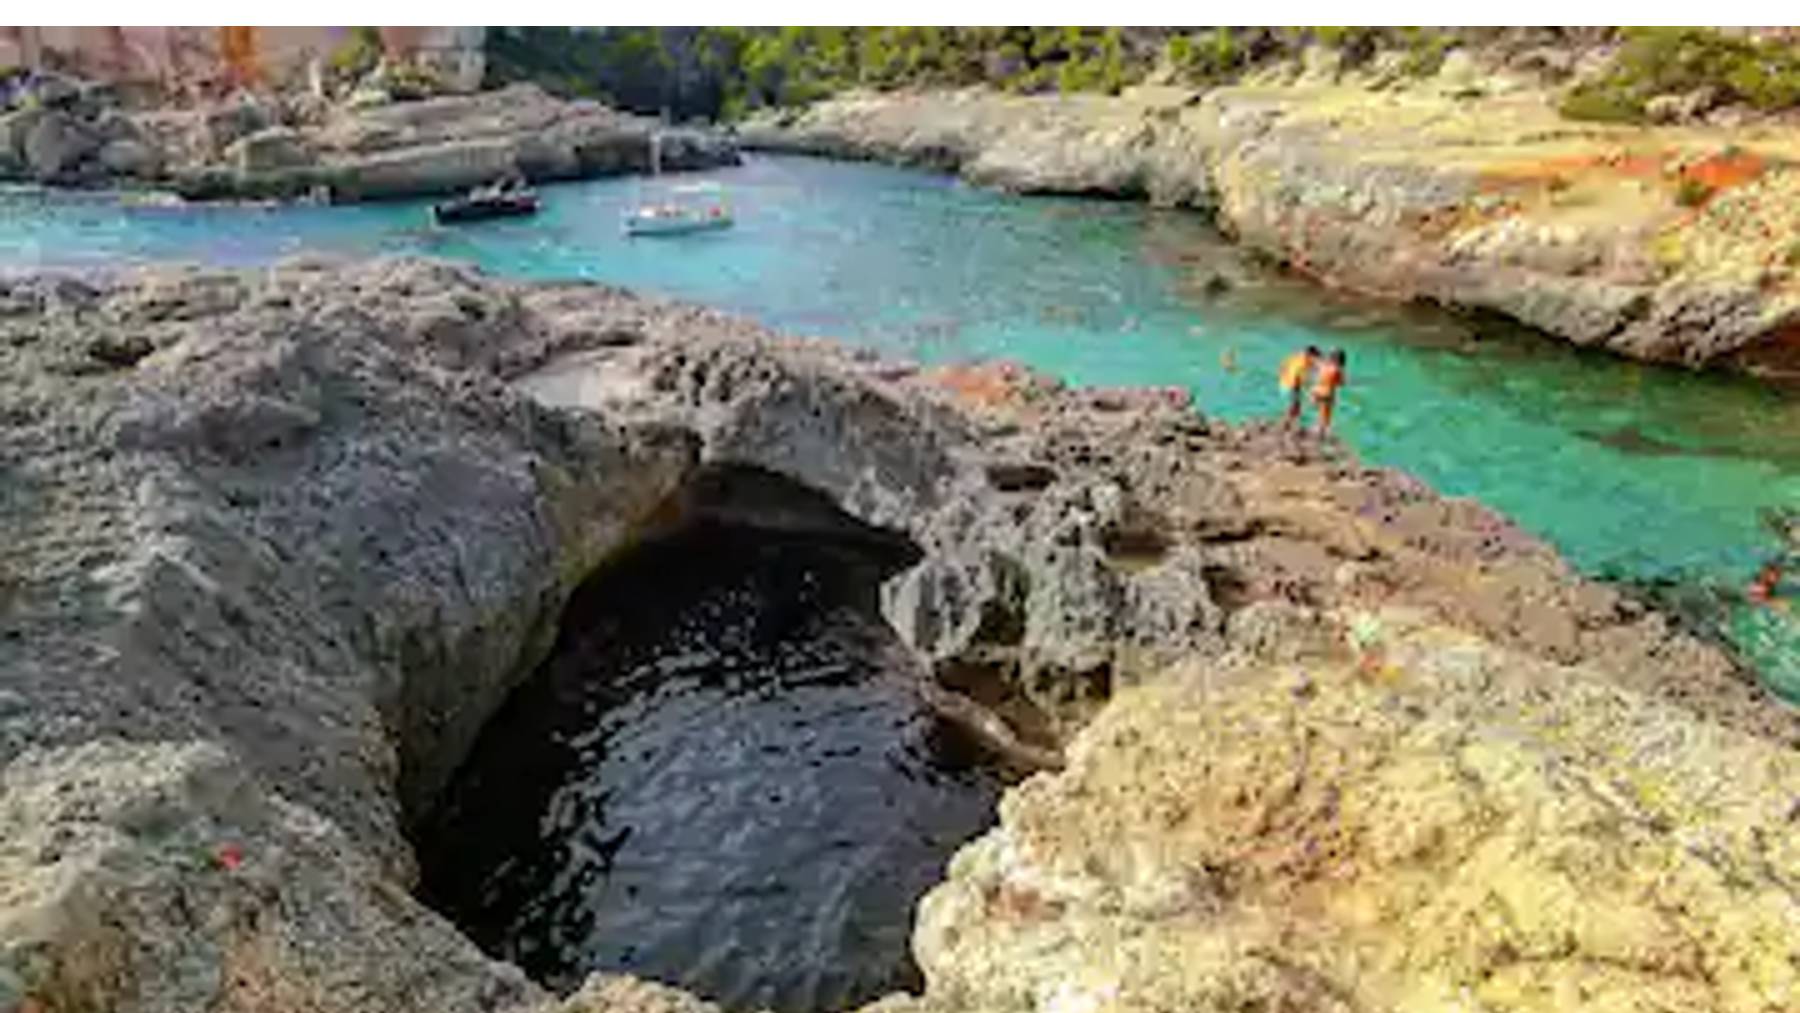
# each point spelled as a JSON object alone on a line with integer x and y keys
{"x": 611, "y": 993}
{"x": 1470, "y": 830}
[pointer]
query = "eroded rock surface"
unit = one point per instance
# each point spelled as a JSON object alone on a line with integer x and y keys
{"x": 1667, "y": 244}
{"x": 274, "y": 545}
{"x": 1455, "y": 828}
{"x": 1077, "y": 539}
{"x": 287, "y": 147}
{"x": 277, "y": 542}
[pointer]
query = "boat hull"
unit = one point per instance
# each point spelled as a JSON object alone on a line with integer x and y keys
{"x": 456, "y": 212}
{"x": 673, "y": 226}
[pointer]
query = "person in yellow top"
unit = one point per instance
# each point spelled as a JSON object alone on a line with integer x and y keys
{"x": 1325, "y": 389}
{"x": 1294, "y": 371}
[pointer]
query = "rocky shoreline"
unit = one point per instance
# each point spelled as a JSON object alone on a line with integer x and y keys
{"x": 1676, "y": 244}
{"x": 288, "y": 147}
{"x": 278, "y": 542}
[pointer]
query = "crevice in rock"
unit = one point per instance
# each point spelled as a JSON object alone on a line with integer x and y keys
{"x": 1135, "y": 547}
{"x": 993, "y": 685}
{"x": 1230, "y": 588}
{"x": 1020, "y": 476}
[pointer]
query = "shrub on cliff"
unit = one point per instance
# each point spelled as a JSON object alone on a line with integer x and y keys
{"x": 1425, "y": 49}
{"x": 356, "y": 55}
{"x": 1691, "y": 193}
{"x": 722, "y": 72}
{"x": 1761, "y": 72}
{"x": 1218, "y": 55}
{"x": 1208, "y": 56}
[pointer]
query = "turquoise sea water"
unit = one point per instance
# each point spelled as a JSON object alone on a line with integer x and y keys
{"x": 1636, "y": 471}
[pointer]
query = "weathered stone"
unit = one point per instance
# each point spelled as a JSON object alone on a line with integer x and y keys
{"x": 1320, "y": 64}
{"x": 1457, "y": 828}
{"x": 1684, "y": 107}
{"x": 115, "y": 125}
{"x": 217, "y": 127}
{"x": 54, "y": 145}
{"x": 344, "y": 650}
{"x": 617, "y": 994}
{"x": 15, "y": 126}
{"x": 1459, "y": 73}
{"x": 270, "y": 149}
{"x": 129, "y": 158}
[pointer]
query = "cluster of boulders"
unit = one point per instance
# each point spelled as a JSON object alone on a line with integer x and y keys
{"x": 64, "y": 132}
{"x": 67, "y": 132}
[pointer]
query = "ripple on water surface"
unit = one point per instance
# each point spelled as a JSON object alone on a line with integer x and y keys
{"x": 721, "y": 779}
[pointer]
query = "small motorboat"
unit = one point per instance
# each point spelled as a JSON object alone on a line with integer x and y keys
{"x": 481, "y": 205}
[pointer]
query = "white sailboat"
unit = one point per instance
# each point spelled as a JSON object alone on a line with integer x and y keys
{"x": 692, "y": 207}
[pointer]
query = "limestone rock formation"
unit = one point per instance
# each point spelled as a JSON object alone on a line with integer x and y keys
{"x": 617, "y": 994}
{"x": 54, "y": 145}
{"x": 1457, "y": 828}
{"x": 1676, "y": 246}
{"x": 292, "y": 146}
{"x": 178, "y": 58}
{"x": 274, "y": 544}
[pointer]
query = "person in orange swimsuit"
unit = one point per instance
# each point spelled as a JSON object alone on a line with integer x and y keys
{"x": 1325, "y": 390}
{"x": 1294, "y": 371}
{"x": 1762, "y": 588}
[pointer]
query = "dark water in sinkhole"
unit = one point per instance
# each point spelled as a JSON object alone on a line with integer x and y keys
{"x": 721, "y": 779}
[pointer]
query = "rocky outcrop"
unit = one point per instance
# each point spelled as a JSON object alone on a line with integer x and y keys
{"x": 1453, "y": 828}
{"x": 277, "y": 543}
{"x": 1076, "y": 540}
{"x": 1677, "y": 245}
{"x": 247, "y": 622}
{"x": 289, "y": 147}
{"x": 169, "y": 58}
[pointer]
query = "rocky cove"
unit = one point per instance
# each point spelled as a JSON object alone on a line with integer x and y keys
{"x": 1670, "y": 244}
{"x": 289, "y": 146}
{"x": 281, "y": 544}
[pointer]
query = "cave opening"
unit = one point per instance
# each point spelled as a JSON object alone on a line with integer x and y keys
{"x": 723, "y": 777}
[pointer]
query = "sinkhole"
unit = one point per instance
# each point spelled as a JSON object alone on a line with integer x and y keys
{"x": 723, "y": 777}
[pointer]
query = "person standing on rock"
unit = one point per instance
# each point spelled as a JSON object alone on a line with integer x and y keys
{"x": 1294, "y": 371}
{"x": 1325, "y": 391}
{"x": 1764, "y": 587}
